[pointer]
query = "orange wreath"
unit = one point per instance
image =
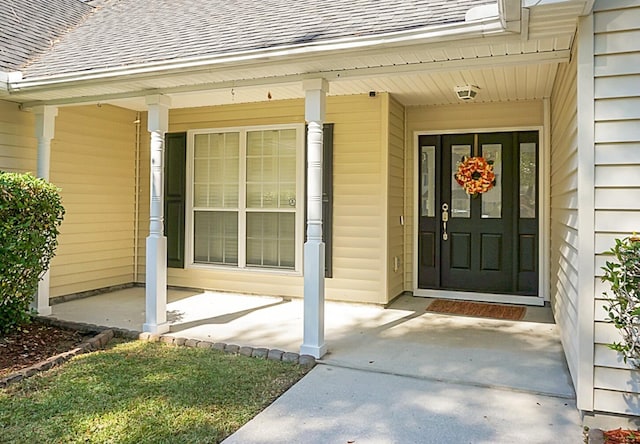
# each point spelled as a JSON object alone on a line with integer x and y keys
{"x": 475, "y": 175}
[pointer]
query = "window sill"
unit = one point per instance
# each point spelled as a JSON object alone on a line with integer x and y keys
{"x": 256, "y": 271}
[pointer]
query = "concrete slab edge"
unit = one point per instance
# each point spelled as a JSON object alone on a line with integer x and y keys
{"x": 97, "y": 342}
{"x": 87, "y": 294}
{"x": 305, "y": 361}
{"x": 340, "y": 364}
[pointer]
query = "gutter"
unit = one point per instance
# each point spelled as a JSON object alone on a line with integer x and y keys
{"x": 489, "y": 23}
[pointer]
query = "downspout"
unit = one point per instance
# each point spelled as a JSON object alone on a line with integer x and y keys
{"x": 136, "y": 228}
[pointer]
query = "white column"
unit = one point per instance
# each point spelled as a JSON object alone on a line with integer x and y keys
{"x": 156, "y": 264}
{"x": 45, "y": 130}
{"x": 313, "y": 341}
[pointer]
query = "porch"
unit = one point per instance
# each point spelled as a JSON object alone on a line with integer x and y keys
{"x": 396, "y": 374}
{"x": 403, "y": 339}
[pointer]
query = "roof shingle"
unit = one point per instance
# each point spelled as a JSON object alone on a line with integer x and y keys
{"x": 29, "y": 28}
{"x": 128, "y": 32}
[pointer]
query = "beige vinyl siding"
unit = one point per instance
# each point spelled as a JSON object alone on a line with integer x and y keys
{"x": 92, "y": 162}
{"x": 462, "y": 117}
{"x": 395, "y": 281}
{"x": 617, "y": 181}
{"x": 359, "y": 212}
{"x": 17, "y": 139}
{"x": 564, "y": 211}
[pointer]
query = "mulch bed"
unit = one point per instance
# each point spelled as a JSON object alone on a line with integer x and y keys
{"x": 620, "y": 436}
{"x": 34, "y": 343}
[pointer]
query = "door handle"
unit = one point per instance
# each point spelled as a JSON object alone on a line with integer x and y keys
{"x": 445, "y": 219}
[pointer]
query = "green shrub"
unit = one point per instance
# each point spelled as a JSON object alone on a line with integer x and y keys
{"x": 623, "y": 306}
{"x": 30, "y": 214}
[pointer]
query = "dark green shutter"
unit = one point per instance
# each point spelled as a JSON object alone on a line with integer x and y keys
{"x": 175, "y": 197}
{"x": 327, "y": 197}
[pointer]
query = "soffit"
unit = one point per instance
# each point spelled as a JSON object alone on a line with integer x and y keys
{"x": 418, "y": 73}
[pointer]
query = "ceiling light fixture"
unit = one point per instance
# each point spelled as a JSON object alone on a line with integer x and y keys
{"x": 467, "y": 93}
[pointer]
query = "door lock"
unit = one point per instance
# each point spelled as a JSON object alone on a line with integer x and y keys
{"x": 445, "y": 219}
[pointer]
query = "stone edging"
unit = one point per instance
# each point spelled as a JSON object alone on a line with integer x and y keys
{"x": 306, "y": 361}
{"x": 595, "y": 436}
{"x": 98, "y": 342}
{"x": 105, "y": 334}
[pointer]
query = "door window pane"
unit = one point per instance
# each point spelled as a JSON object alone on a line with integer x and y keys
{"x": 270, "y": 240}
{"x": 428, "y": 181}
{"x": 492, "y": 199}
{"x": 528, "y": 180}
{"x": 215, "y": 237}
{"x": 460, "y": 200}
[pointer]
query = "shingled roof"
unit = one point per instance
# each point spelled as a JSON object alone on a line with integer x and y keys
{"x": 30, "y": 28}
{"x": 130, "y": 32}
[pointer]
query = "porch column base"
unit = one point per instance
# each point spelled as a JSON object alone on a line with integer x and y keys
{"x": 316, "y": 352}
{"x": 313, "y": 341}
{"x": 156, "y": 286}
{"x": 156, "y": 329}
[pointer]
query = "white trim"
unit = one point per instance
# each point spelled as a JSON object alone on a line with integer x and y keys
{"x": 45, "y": 127}
{"x": 241, "y": 209}
{"x": 242, "y": 202}
{"x": 544, "y": 213}
{"x": 586, "y": 214}
{"x": 301, "y": 204}
{"x": 543, "y": 233}
{"x": 251, "y": 269}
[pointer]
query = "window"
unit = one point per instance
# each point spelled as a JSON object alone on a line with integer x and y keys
{"x": 245, "y": 197}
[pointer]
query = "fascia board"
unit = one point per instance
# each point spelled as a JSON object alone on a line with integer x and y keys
{"x": 5, "y": 81}
{"x": 588, "y": 7}
{"x": 510, "y": 12}
{"x": 4, "y": 84}
{"x": 477, "y": 29}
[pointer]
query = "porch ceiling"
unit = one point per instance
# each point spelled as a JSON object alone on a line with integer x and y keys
{"x": 505, "y": 68}
{"x": 497, "y": 84}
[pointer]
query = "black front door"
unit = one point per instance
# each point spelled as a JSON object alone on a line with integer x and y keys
{"x": 478, "y": 239}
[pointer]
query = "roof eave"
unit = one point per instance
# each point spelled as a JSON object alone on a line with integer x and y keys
{"x": 487, "y": 26}
{"x": 6, "y": 78}
{"x": 510, "y": 12}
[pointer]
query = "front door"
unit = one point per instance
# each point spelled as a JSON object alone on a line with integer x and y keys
{"x": 482, "y": 238}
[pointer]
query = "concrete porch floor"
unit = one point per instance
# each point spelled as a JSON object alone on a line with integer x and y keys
{"x": 453, "y": 355}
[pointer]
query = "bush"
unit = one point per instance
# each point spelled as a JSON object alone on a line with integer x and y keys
{"x": 30, "y": 214}
{"x": 624, "y": 303}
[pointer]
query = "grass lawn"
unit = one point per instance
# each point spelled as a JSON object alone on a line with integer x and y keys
{"x": 141, "y": 392}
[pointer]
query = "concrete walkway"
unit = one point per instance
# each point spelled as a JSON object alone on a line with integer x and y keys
{"x": 395, "y": 375}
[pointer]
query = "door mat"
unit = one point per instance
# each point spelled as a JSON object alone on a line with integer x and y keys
{"x": 478, "y": 309}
